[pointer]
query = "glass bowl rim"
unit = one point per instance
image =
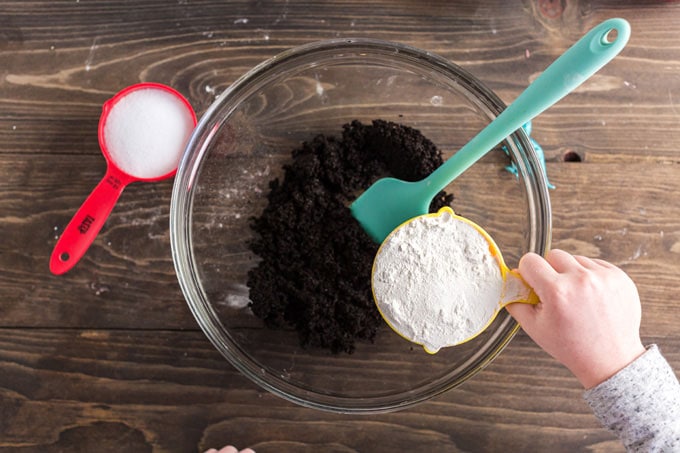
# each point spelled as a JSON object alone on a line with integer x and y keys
{"x": 181, "y": 206}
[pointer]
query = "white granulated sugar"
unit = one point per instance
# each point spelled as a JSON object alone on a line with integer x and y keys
{"x": 436, "y": 281}
{"x": 146, "y": 132}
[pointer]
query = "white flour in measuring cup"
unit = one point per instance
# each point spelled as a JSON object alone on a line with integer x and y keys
{"x": 436, "y": 281}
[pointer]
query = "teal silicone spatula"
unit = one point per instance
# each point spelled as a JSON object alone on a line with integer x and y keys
{"x": 389, "y": 202}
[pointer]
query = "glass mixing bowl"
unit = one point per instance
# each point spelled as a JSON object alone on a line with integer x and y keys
{"x": 243, "y": 141}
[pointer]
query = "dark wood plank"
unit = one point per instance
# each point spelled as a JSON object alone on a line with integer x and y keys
{"x": 131, "y": 264}
{"x": 170, "y": 391}
{"x": 127, "y": 280}
{"x": 629, "y": 218}
{"x": 56, "y": 78}
{"x": 109, "y": 358}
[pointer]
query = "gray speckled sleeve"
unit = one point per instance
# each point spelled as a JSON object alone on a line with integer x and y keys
{"x": 641, "y": 404}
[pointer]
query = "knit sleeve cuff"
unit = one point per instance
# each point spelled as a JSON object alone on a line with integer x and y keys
{"x": 640, "y": 403}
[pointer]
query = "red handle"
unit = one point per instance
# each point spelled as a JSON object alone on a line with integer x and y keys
{"x": 88, "y": 220}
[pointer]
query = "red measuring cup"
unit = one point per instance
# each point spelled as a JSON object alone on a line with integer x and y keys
{"x": 89, "y": 219}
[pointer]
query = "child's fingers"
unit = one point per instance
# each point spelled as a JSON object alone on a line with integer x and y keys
{"x": 588, "y": 263}
{"x": 524, "y": 314}
{"x": 561, "y": 261}
{"x": 604, "y": 263}
{"x": 228, "y": 449}
{"x": 537, "y": 272}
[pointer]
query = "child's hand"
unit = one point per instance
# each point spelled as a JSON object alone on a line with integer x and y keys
{"x": 589, "y": 315}
{"x": 229, "y": 449}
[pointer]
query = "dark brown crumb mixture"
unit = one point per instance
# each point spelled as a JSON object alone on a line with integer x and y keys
{"x": 316, "y": 259}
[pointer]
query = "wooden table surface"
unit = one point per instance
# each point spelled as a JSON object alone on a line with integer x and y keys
{"x": 108, "y": 356}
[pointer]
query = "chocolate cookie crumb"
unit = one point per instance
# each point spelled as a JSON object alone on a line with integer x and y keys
{"x": 316, "y": 259}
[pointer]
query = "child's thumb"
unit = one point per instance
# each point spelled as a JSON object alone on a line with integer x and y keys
{"x": 524, "y": 314}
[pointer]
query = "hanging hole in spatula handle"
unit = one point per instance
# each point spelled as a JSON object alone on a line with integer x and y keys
{"x": 611, "y": 35}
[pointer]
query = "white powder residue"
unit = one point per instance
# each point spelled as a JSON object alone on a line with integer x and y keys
{"x": 436, "y": 281}
{"x": 237, "y": 301}
{"x": 146, "y": 132}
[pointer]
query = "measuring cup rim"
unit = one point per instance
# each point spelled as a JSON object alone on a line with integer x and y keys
{"x": 493, "y": 249}
{"x": 107, "y": 107}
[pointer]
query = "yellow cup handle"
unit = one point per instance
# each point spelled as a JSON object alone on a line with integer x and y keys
{"x": 516, "y": 290}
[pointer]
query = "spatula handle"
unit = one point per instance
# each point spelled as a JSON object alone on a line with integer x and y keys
{"x": 599, "y": 46}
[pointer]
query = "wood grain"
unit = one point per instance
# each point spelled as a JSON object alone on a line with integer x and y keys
{"x": 109, "y": 357}
{"x": 170, "y": 391}
{"x": 127, "y": 279}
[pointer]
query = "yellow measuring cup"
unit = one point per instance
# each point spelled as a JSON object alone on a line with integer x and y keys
{"x": 439, "y": 280}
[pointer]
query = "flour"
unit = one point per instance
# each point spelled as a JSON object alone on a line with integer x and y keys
{"x": 436, "y": 281}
